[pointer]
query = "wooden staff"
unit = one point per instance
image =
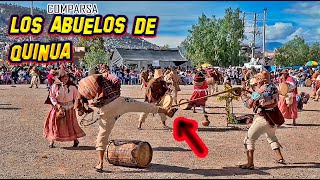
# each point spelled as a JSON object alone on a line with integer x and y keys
{"x": 230, "y": 90}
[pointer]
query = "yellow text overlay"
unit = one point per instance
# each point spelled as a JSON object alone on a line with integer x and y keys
{"x": 39, "y": 52}
{"x": 88, "y": 25}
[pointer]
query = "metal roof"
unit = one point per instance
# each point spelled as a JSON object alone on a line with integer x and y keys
{"x": 150, "y": 55}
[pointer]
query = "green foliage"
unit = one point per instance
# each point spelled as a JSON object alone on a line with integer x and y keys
{"x": 95, "y": 51}
{"x": 93, "y": 58}
{"x": 294, "y": 52}
{"x": 228, "y": 97}
{"x": 165, "y": 47}
{"x": 216, "y": 41}
{"x": 314, "y": 52}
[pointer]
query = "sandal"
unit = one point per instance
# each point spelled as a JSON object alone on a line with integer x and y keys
{"x": 281, "y": 161}
{"x": 51, "y": 145}
{"x": 245, "y": 166}
{"x": 99, "y": 169}
{"x": 166, "y": 128}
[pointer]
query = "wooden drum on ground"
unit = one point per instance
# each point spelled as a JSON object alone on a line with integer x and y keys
{"x": 131, "y": 153}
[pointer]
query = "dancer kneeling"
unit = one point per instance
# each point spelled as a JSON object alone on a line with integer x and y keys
{"x": 264, "y": 103}
{"x": 112, "y": 106}
{"x": 156, "y": 94}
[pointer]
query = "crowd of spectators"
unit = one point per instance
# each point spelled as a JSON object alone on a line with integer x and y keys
{"x": 131, "y": 75}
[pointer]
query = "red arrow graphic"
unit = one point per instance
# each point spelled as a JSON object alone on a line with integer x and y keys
{"x": 185, "y": 130}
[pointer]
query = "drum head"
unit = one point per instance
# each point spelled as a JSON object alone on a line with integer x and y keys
{"x": 185, "y": 105}
{"x": 253, "y": 81}
{"x": 283, "y": 89}
{"x": 308, "y": 82}
{"x": 167, "y": 101}
{"x": 144, "y": 154}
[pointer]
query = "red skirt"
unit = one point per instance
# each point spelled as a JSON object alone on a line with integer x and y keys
{"x": 66, "y": 129}
{"x": 288, "y": 112}
{"x": 200, "y": 102}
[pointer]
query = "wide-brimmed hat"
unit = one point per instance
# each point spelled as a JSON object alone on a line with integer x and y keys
{"x": 167, "y": 72}
{"x": 284, "y": 71}
{"x": 62, "y": 73}
{"x": 92, "y": 72}
{"x": 157, "y": 73}
{"x": 264, "y": 76}
{"x": 199, "y": 78}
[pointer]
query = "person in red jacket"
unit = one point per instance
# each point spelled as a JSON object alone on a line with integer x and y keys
{"x": 200, "y": 89}
{"x": 51, "y": 78}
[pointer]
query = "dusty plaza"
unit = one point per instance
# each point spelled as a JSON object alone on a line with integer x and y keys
{"x": 24, "y": 153}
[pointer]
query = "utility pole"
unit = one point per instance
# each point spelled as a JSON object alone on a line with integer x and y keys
{"x": 243, "y": 18}
{"x": 264, "y": 33}
{"x": 254, "y": 35}
{"x": 31, "y": 12}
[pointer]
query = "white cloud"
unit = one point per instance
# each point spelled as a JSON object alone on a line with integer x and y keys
{"x": 279, "y": 31}
{"x": 274, "y": 33}
{"x": 305, "y": 8}
{"x": 172, "y": 41}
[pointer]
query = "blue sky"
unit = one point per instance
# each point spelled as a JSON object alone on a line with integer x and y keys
{"x": 284, "y": 18}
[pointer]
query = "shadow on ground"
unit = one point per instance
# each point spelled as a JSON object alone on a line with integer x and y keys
{"x": 170, "y": 149}
{"x": 80, "y": 148}
{"x": 222, "y": 129}
{"x": 9, "y": 108}
{"x": 307, "y": 125}
{"x": 312, "y": 110}
{"x": 225, "y": 171}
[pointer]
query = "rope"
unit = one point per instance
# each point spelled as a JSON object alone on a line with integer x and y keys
{"x": 90, "y": 122}
{"x": 232, "y": 91}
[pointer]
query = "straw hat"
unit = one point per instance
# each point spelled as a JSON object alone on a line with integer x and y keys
{"x": 264, "y": 76}
{"x": 62, "y": 73}
{"x": 92, "y": 71}
{"x": 157, "y": 73}
{"x": 284, "y": 71}
{"x": 199, "y": 78}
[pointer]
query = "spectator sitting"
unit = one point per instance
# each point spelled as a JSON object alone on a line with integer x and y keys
{"x": 133, "y": 76}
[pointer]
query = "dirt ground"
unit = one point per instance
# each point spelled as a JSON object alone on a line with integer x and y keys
{"x": 24, "y": 153}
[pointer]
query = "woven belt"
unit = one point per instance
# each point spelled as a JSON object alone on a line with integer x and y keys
{"x": 66, "y": 103}
{"x": 200, "y": 90}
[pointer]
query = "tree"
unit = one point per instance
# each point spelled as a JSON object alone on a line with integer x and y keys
{"x": 314, "y": 52}
{"x": 95, "y": 51}
{"x": 93, "y": 58}
{"x": 216, "y": 41}
{"x": 165, "y": 47}
{"x": 294, "y": 52}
